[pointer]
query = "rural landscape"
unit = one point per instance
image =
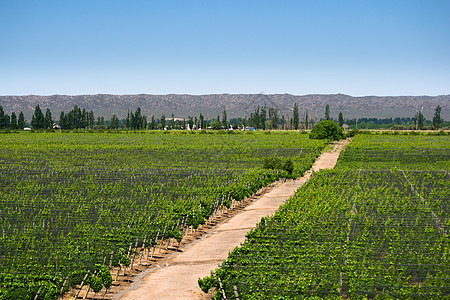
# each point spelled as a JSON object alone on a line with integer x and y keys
{"x": 85, "y": 211}
{"x": 224, "y": 150}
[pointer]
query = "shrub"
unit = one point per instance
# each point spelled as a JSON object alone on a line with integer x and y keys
{"x": 275, "y": 163}
{"x": 288, "y": 166}
{"x": 353, "y": 132}
{"x": 327, "y": 130}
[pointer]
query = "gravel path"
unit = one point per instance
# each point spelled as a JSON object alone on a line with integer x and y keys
{"x": 176, "y": 278}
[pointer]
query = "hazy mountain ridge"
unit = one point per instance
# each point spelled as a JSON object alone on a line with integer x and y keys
{"x": 237, "y": 105}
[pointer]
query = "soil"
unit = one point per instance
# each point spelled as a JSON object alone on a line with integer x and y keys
{"x": 173, "y": 272}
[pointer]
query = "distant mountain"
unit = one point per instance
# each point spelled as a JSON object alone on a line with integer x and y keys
{"x": 237, "y": 105}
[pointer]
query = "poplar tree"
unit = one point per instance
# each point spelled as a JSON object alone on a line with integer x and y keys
{"x": 38, "y": 119}
{"x": 224, "y": 119}
{"x": 436, "y": 119}
{"x": 201, "y": 121}
{"x": 13, "y": 124}
{"x": 418, "y": 120}
{"x": 48, "y": 121}
{"x": 21, "y": 121}
{"x": 163, "y": 121}
{"x": 306, "y": 119}
{"x": 295, "y": 117}
{"x": 341, "y": 119}
{"x": 2, "y": 117}
{"x": 263, "y": 118}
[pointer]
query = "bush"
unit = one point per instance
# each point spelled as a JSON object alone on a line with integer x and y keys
{"x": 216, "y": 125}
{"x": 207, "y": 283}
{"x": 353, "y": 132}
{"x": 96, "y": 284}
{"x": 327, "y": 130}
{"x": 275, "y": 163}
{"x": 288, "y": 166}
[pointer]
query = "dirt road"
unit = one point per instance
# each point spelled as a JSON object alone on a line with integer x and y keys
{"x": 176, "y": 278}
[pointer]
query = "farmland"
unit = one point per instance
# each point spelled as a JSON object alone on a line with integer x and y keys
{"x": 71, "y": 202}
{"x": 376, "y": 226}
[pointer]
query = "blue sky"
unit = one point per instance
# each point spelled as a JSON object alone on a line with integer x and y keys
{"x": 200, "y": 47}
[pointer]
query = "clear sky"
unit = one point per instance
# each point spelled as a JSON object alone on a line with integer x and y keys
{"x": 379, "y": 47}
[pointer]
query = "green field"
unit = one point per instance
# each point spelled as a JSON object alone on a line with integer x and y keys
{"x": 376, "y": 226}
{"x": 67, "y": 200}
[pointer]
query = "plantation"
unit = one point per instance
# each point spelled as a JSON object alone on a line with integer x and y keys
{"x": 73, "y": 203}
{"x": 376, "y": 226}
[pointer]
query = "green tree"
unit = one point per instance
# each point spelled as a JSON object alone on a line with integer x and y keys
{"x": 327, "y": 112}
{"x": 144, "y": 122}
{"x": 114, "y": 122}
{"x": 436, "y": 119}
{"x": 216, "y": 125}
{"x": 153, "y": 124}
{"x": 190, "y": 122}
{"x": 2, "y": 118}
{"x": 326, "y": 130}
{"x": 263, "y": 118}
{"x": 363, "y": 125}
{"x": 419, "y": 117}
{"x": 38, "y": 119}
{"x": 202, "y": 119}
{"x": 224, "y": 119}
{"x": 7, "y": 121}
{"x": 48, "y": 121}
{"x": 163, "y": 121}
{"x": 295, "y": 117}
{"x": 91, "y": 120}
{"x": 341, "y": 119}
{"x": 63, "y": 120}
{"x": 21, "y": 121}
{"x": 127, "y": 122}
{"x": 254, "y": 119}
{"x": 306, "y": 119}
{"x": 84, "y": 119}
{"x": 273, "y": 118}
{"x": 172, "y": 122}
{"x": 138, "y": 119}
{"x": 13, "y": 124}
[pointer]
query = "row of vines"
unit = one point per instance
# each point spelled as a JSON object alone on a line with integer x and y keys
{"x": 376, "y": 226}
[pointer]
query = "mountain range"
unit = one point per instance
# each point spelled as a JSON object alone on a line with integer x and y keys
{"x": 236, "y": 105}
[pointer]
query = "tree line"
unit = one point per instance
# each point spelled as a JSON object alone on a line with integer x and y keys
{"x": 11, "y": 122}
{"x": 261, "y": 118}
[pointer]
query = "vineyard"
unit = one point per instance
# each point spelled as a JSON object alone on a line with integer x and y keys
{"x": 376, "y": 226}
{"x": 73, "y": 206}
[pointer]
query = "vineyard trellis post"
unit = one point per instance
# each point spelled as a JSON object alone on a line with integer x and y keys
{"x": 82, "y": 283}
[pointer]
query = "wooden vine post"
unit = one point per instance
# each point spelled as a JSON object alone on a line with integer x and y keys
{"x": 82, "y": 283}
